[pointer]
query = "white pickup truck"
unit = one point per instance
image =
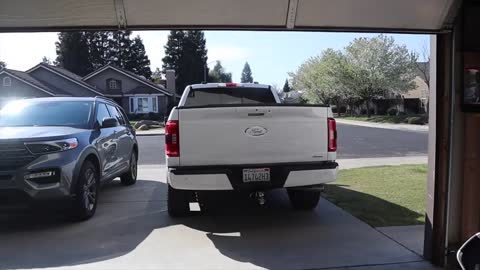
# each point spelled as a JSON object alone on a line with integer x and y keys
{"x": 228, "y": 136}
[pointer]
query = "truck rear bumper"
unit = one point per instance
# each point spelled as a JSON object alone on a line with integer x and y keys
{"x": 230, "y": 177}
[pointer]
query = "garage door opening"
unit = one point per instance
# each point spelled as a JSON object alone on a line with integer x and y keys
{"x": 382, "y": 145}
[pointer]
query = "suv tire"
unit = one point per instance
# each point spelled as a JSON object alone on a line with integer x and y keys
{"x": 129, "y": 178}
{"x": 178, "y": 202}
{"x": 86, "y": 192}
{"x": 304, "y": 199}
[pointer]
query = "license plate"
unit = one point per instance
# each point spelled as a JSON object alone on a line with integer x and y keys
{"x": 256, "y": 175}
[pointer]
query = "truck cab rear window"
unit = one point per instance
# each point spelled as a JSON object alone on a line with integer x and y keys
{"x": 229, "y": 96}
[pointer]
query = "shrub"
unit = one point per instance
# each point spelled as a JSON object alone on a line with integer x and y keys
{"x": 392, "y": 111}
{"x": 416, "y": 120}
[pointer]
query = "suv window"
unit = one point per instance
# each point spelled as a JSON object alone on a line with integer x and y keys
{"x": 102, "y": 113}
{"x": 46, "y": 113}
{"x": 123, "y": 115}
{"x": 115, "y": 113}
{"x": 229, "y": 95}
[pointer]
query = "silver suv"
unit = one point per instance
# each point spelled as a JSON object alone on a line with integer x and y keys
{"x": 64, "y": 148}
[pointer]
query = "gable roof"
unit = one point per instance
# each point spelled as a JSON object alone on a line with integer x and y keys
{"x": 132, "y": 75}
{"x": 26, "y": 78}
{"x": 66, "y": 75}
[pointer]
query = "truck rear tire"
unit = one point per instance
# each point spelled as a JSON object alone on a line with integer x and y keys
{"x": 178, "y": 202}
{"x": 304, "y": 199}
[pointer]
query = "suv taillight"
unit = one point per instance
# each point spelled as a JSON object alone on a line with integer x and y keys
{"x": 332, "y": 135}
{"x": 172, "y": 139}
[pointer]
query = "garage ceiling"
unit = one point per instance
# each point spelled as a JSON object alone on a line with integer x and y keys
{"x": 389, "y": 15}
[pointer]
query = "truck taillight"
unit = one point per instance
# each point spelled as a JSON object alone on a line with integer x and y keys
{"x": 172, "y": 139}
{"x": 332, "y": 135}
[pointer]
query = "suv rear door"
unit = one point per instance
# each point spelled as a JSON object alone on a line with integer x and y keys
{"x": 123, "y": 136}
{"x": 107, "y": 141}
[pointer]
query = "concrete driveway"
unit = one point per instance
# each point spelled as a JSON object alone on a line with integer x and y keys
{"x": 133, "y": 231}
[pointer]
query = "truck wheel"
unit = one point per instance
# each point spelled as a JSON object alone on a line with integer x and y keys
{"x": 304, "y": 199}
{"x": 178, "y": 202}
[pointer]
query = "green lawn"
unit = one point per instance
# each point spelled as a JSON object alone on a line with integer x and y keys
{"x": 396, "y": 119}
{"x": 382, "y": 196}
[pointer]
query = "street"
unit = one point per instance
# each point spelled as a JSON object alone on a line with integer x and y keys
{"x": 353, "y": 142}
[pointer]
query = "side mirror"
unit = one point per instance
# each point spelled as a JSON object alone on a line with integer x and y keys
{"x": 109, "y": 122}
{"x": 468, "y": 255}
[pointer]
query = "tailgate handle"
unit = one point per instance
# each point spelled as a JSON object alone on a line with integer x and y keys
{"x": 256, "y": 114}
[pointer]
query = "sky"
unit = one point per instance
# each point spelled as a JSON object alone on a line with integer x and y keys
{"x": 271, "y": 55}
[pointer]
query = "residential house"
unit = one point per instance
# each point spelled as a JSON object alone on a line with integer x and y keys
{"x": 134, "y": 93}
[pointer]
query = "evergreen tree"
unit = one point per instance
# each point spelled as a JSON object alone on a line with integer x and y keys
{"x": 3, "y": 65}
{"x": 218, "y": 74}
{"x": 246, "y": 74}
{"x": 286, "y": 87}
{"x": 73, "y": 52}
{"x": 93, "y": 50}
{"x": 186, "y": 53}
{"x": 136, "y": 59}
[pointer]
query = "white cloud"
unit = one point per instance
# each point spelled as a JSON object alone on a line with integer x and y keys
{"x": 228, "y": 53}
{"x": 24, "y": 50}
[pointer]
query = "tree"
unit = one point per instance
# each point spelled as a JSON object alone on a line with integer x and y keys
{"x": 286, "y": 87}
{"x": 157, "y": 76}
{"x": 73, "y": 52}
{"x": 320, "y": 80}
{"x": 246, "y": 74}
{"x": 47, "y": 61}
{"x": 186, "y": 53}
{"x": 3, "y": 65}
{"x": 218, "y": 74}
{"x": 136, "y": 59}
{"x": 84, "y": 52}
{"x": 376, "y": 66}
{"x": 424, "y": 67}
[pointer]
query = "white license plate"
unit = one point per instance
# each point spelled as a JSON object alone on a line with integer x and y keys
{"x": 256, "y": 175}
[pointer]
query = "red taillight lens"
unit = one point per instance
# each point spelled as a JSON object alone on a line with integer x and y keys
{"x": 172, "y": 139}
{"x": 230, "y": 84}
{"x": 332, "y": 135}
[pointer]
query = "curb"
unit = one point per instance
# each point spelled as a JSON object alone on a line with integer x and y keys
{"x": 402, "y": 127}
{"x": 149, "y": 134}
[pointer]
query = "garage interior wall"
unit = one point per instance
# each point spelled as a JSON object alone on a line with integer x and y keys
{"x": 453, "y": 199}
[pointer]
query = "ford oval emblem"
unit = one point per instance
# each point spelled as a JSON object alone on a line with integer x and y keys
{"x": 255, "y": 131}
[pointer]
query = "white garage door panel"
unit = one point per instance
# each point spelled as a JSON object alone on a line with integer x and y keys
{"x": 52, "y": 15}
{"x": 404, "y": 14}
{"x": 206, "y": 12}
{"x": 56, "y": 13}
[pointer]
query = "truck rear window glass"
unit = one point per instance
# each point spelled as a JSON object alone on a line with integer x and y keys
{"x": 229, "y": 95}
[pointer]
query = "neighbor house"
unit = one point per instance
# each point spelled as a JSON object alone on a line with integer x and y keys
{"x": 134, "y": 93}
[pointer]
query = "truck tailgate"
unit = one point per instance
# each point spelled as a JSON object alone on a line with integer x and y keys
{"x": 252, "y": 135}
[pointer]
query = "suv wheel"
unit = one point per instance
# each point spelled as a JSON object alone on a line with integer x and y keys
{"x": 304, "y": 199}
{"x": 178, "y": 202}
{"x": 86, "y": 192}
{"x": 130, "y": 177}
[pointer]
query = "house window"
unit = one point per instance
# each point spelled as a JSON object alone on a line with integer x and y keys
{"x": 154, "y": 104}
{"x": 143, "y": 104}
{"x": 113, "y": 84}
{"x": 7, "y": 81}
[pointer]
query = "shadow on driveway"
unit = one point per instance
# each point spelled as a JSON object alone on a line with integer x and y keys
{"x": 132, "y": 230}
{"x": 125, "y": 217}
